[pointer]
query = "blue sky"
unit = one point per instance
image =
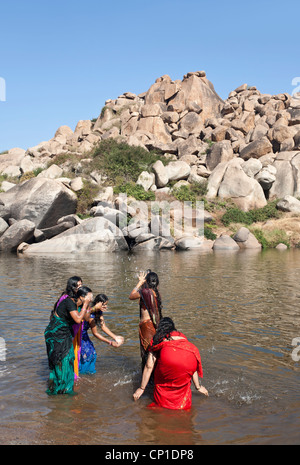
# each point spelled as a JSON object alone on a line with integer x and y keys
{"x": 61, "y": 60}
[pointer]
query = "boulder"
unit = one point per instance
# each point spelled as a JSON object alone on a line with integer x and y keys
{"x": 289, "y": 204}
{"x": 177, "y": 170}
{"x": 156, "y": 243}
{"x": 225, "y": 242}
{"x": 161, "y": 176}
{"x": 52, "y": 172}
{"x": 13, "y": 157}
{"x": 198, "y": 90}
{"x": 91, "y": 236}
{"x": 246, "y": 240}
{"x": 3, "y": 226}
{"x": 246, "y": 192}
{"x": 19, "y": 231}
{"x": 256, "y": 149}
{"x": 146, "y": 180}
{"x": 266, "y": 177}
{"x": 42, "y": 201}
{"x": 56, "y": 229}
{"x": 220, "y": 152}
{"x": 192, "y": 242}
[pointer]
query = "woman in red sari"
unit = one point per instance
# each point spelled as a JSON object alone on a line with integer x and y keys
{"x": 150, "y": 309}
{"x": 177, "y": 362}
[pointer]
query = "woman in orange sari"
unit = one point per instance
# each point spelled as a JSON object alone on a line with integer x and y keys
{"x": 177, "y": 363}
{"x": 150, "y": 309}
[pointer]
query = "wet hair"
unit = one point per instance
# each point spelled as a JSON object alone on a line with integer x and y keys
{"x": 72, "y": 284}
{"x": 152, "y": 283}
{"x": 70, "y": 291}
{"x": 97, "y": 315}
{"x": 165, "y": 327}
{"x": 82, "y": 291}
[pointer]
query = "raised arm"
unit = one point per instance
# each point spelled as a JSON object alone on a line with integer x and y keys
{"x": 135, "y": 291}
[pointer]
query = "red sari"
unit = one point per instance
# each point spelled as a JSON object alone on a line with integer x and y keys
{"x": 177, "y": 361}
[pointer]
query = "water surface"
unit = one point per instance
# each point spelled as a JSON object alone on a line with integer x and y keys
{"x": 240, "y": 309}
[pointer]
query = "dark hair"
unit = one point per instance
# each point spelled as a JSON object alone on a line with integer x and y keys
{"x": 72, "y": 284}
{"x": 98, "y": 313}
{"x": 152, "y": 283}
{"x": 165, "y": 327}
{"x": 70, "y": 291}
{"x": 83, "y": 291}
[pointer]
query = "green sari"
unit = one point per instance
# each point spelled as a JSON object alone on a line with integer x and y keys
{"x": 60, "y": 351}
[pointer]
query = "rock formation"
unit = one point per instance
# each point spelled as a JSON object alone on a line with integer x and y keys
{"x": 245, "y": 148}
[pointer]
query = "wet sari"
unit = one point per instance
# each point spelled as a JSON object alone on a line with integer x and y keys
{"x": 60, "y": 351}
{"x": 147, "y": 328}
{"x": 88, "y": 355}
{"x": 177, "y": 361}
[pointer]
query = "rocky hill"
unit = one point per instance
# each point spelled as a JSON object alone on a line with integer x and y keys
{"x": 245, "y": 149}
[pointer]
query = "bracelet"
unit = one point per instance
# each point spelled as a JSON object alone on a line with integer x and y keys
{"x": 143, "y": 389}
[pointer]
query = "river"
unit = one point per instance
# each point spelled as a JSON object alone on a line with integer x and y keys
{"x": 241, "y": 309}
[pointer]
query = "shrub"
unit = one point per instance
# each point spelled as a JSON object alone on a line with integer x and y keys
{"x": 85, "y": 197}
{"x": 134, "y": 190}
{"x": 209, "y": 234}
{"x": 270, "y": 239}
{"x": 235, "y": 215}
{"x": 190, "y": 193}
{"x": 117, "y": 159}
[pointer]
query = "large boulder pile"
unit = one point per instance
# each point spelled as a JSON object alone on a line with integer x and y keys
{"x": 245, "y": 148}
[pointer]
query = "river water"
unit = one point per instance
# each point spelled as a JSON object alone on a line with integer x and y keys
{"x": 241, "y": 309}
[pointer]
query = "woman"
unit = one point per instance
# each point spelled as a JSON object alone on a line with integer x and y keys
{"x": 93, "y": 321}
{"x": 58, "y": 337}
{"x": 73, "y": 284}
{"x": 150, "y": 309}
{"x": 178, "y": 363}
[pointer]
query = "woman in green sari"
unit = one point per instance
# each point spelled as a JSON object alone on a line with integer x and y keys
{"x": 59, "y": 344}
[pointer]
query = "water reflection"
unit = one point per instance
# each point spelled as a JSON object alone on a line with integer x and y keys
{"x": 240, "y": 309}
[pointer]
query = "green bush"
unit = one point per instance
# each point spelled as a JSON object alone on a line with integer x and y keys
{"x": 134, "y": 190}
{"x": 116, "y": 159}
{"x": 190, "y": 193}
{"x": 85, "y": 197}
{"x": 235, "y": 215}
{"x": 270, "y": 239}
{"x": 209, "y": 234}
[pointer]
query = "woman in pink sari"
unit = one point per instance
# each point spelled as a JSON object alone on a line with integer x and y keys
{"x": 177, "y": 363}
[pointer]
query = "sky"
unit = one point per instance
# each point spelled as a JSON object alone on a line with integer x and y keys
{"x": 61, "y": 60}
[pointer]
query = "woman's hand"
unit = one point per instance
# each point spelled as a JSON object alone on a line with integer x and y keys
{"x": 119, "y": 340}
{"x": 142, "y": 277}
{"x": 203, "y": 390}
{"x": 138, "y": 393}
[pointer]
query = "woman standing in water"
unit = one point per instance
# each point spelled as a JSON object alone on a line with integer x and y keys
{"x": 73, "y": 284}
{"x": 93, "y": 321}
{"x": 177, "y": 362}
{"x": 150, "y": 309}
{"x": 59, "y": 340}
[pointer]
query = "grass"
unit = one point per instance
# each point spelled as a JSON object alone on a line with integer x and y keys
{"x": 191, "y": 193}
{"x": 235, "y": 215}
{"x": 134, "y": 190}
{"x": 270, "y": 239}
